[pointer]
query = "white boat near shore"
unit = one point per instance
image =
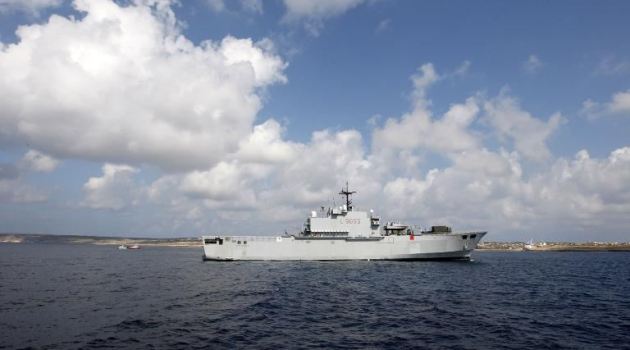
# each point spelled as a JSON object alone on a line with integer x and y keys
{"x": 346, "y": 234}
{"x": 126, "y": 247}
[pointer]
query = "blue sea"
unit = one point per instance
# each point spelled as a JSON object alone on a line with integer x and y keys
{"x": 65, "y": 296}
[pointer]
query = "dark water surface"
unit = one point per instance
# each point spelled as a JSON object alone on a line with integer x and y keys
{"x": 62, "y": 296}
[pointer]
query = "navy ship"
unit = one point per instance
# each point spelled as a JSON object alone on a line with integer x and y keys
{"x": 342, "y": 233}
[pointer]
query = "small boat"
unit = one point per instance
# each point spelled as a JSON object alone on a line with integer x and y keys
{"x": 125, "y": 247}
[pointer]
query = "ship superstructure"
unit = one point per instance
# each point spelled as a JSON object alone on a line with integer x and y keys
{"x": 342, "y": 233}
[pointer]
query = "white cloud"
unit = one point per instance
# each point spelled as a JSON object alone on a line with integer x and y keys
{"x": 487, "y": 190}
{"x": 129, "y": 88}
{"x": 253, "y": 6}
{"x": 115, "y": 189}
{"x": 8, "y": 171}
{"x": 256, "y": 57}
{"x": 32, "y": 7}
{"x": 265, "y": 145}
{"x": 17, "y": 191}
{"x": 37, "y": 161}
{"x": 216, "y": 5}
{"x": 313, "y": 13}
{"x": 383, "y": 25}
{"x": 318, "y": 9}
{"x": 592, "y": 191}
{"x": 473, "y": 192}
{"x": 619, "y": 104}
{"x": 613, "y": 66}
{"x": 528, "y": 133}
{"x": 533, "y": 64}
{"x": 268, "y": 184}
{"x": 422, "y": 80}
{"x": 248, "y": 190}
{"x": 419, "y": 129}
{"x": 591, "y": 109}
{"x": 462, "y": 69}
{"x": 224, "y": 182}
{"x": 14, "y": 188}
{"x": 322, "y": 165}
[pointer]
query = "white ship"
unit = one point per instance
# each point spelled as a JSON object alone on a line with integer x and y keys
{"x": 346, "y": 234}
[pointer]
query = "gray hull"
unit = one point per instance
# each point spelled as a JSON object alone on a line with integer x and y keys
{"x": 404, "y": 247}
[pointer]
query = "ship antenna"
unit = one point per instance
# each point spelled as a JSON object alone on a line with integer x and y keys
{"x": 348, "y": 195}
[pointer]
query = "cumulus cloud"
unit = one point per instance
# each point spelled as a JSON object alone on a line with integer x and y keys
{"x": 328, "y": 160}
{"x": 619, "y": 104}
{"x": 32, "y": 7}
{"x": 420, "y": 130}
{"x": 227, "y": 181}
{"x": 37, "y": 161}
{"x": 383, "y": 25}
{"x": 471, "y": 192}
{"x": 216, "y": 5}
{"x": 318, "y": 9}
{"x": 253, "y": 6}
{"x": 422, "y": 80}
{"x": 123, "y": 85}
{"x": 585, "y": 192}
{"x": 8, "y": 171}
{"x": 533, "y": 64}
{"x": 13, "y": 186}
{"x": 462, "y": 70}
{"x": 417, "y": 129}
{"x": 272, "y": 190}
{"x": 313, "y": 13}
{"x": 487, "y": 189}
{"x": 18, "y": 191}
{"x": 528, "y": 133}
{"x": 612, "y": 65}
{"x": 265, "y": 145}
{"x": 115, "y": 189}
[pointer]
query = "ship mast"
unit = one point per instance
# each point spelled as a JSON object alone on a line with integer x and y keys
{"x": 348, "y": 195}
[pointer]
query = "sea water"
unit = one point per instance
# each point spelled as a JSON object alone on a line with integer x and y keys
{"x": 64, "y": 296}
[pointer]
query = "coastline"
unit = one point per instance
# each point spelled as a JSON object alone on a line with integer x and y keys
{"x": 20, "y": 238}
{"x": 554, "y": 247}
{"x": 195, "y": 242}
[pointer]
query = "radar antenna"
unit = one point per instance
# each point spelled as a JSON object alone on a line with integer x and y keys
{"x": 348, "y": 195}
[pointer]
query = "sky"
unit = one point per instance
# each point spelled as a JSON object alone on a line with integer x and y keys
{"x": 163, "y": 118}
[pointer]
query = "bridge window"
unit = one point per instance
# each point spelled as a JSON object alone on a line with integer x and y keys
{"x": 213, "y": 241}
{"x": 473, "y": 236}
{"x": 464, "y": 236}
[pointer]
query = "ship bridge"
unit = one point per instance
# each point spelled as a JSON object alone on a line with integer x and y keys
{"x": 343, "y": 221}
